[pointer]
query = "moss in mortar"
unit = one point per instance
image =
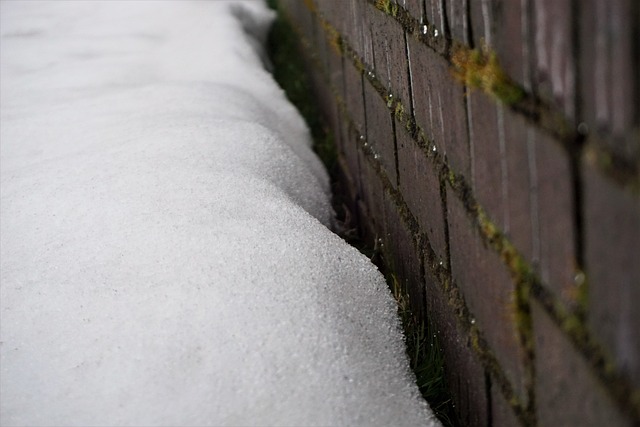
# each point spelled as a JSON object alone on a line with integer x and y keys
{"x": 479, "y": 68}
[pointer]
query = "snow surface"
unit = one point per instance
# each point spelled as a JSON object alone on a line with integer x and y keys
{"x": 165, "y": 256}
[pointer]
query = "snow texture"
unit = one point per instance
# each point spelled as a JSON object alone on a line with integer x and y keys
{"x": 165, "y": 255}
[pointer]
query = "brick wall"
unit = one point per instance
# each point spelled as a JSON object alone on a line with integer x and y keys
{"x": 492, "y": 149}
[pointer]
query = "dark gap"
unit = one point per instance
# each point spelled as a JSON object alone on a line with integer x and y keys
{"x": 487, "y": 390}
{"x": 469, "y": 30}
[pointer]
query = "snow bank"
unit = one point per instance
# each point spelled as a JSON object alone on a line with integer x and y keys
{"x": 164, "y": 252}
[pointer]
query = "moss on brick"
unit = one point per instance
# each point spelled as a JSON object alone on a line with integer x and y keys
{"x": 480, "y": 69}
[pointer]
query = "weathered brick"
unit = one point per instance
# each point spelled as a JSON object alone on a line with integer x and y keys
{"x": 555, "y": 74}
{"x": 349, "y": 144}
{"x": 487, "y": 145}
{"x": 399, "y": 240}
{"x": 354, "y": 96}
{"x": 426, "y": 104}
{"x": 567, "y": 392}
{"x": 435, "y": 15}
{"x": 463, "y": 370}
{"x": 555, "y": 217}
{"x": 439, "y": 100}
{"x": 518, "y": 142}
{"x": 457, "y": 18}
{"x": 414, "y": 7}
{"x": 380, "y": 135}
{"x": 390, "y": 53}
{"x": 502, "y": 414}
{"x": 482, "y": 277}
{"x": 371, "y": 194}
{"x": 612, "y": 243}
{"x": 609, "y": 76}
{"x": 370, "y": 17}
{"x": 501, "y": 26}
{"x": 354, "y": 25}
{"x": 420, "y": 188}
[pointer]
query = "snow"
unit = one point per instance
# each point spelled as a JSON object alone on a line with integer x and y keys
{"x": 164, "y": 251}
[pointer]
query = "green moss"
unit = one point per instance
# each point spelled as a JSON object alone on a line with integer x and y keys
{"x": 387, "y": 7}
{"x": 480, "y": 69}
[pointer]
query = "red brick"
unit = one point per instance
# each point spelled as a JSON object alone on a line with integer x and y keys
{"x": 354, "y": 96}
{"x": 399, "y": 244}
{"x": 502, "y": 414}
{"x": 567, "y": 392}
{"x": 612, "y": 242}
{"x": 487, "y": 145}
{"x": 380, "y": 135}
{"x": 501, "y": 26}
{"x": 434, "y": 11}
{"x": 372, "y": 195}
{"x": 463, "y": 370}
{"x": 414, "y": 7}
{"x": 555, "y": 74}
{"x": 609, "y": 76}
{"x": 349, "y": 145}
{"x": 457, "y": 18}
{"x": 518, "y": 141}
{"x": 440, "y": 100}
{"x": 555, "y": 217}
{"x": 390, "y": 53}
{"x": 420, "y": 188}
{"x": 489, "y": 293}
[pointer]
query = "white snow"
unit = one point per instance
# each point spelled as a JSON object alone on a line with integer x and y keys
{"x": 165, "y": 256}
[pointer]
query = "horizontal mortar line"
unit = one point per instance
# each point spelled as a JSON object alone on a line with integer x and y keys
{"x": 533, "y": 109}
{"x": 630, "y": 400}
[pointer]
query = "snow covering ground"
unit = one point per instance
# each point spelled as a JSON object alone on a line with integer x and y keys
{"x": 165, "y": 255}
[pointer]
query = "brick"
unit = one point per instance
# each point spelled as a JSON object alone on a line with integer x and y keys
{"x": 399, "y": 240}
{"x": 372, "y": 195}
{"x": 555, "y": 217}
{"x": 349, "y": 143}
{"x": 354, "y": 25}
{"x": 612, "y": 243}
{"x": 335, "y": 68}
{"x": 489, "y": 293}
{"x": 567, "y": 392}
{"x": 390, "y": 53}
{"x": 518, "y": 143}
{"x": 420, "y": 187}
{"x": 487, "y": 145}
{"x": 501, "y": 26}
{"x": 464, "y": 373}
{"x": 370, "y": 17}
{"x": 501, "y": 412}
{"x": 609, "y": 89}
{"x": 354, "y": 96}
{"x": 457, "y": 18}
{"x": 555, "y": 74}
{"x": 435, "y": 15}
{"x": 426, "y": 104}
{"x": 345, "y": 192}
{"x": 439, "y": 99}
{"x": 380, "y": 135}
{"x": 414, "y": 7}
